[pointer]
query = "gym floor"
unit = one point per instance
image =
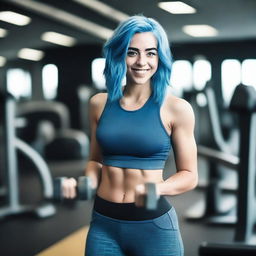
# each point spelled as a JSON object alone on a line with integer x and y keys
{"x": 27, "y": 235}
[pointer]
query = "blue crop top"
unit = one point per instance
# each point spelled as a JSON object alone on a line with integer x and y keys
{"x": 135, "y": 139}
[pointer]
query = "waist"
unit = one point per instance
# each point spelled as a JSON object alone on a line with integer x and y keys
{"x": 129, "y": 211}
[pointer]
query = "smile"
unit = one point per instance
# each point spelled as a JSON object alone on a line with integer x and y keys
{"x": 139, "y": 70}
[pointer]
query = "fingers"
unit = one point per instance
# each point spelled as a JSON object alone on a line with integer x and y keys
{"x": 140, "y": 195}
{"x": 69, "y": 188}
{"x": 146, "y": 195}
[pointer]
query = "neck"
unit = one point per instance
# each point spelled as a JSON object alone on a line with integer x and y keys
{"x": 137, "y": 91}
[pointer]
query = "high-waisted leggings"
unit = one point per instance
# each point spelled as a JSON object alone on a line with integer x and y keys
{"x": 124, "y": 236}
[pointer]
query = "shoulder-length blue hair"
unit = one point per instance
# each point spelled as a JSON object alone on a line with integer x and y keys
{"x": 115, "y": 51}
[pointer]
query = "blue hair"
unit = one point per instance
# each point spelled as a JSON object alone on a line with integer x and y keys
{"x": 115, "y": 51}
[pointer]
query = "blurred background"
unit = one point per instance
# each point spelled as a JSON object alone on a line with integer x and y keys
{"x": 51, "y": 63}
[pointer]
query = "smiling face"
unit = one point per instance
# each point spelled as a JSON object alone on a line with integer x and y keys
{"x": 142, "y": 58}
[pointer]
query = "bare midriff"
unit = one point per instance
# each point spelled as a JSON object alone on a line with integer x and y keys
{"x": 118, "y": 184}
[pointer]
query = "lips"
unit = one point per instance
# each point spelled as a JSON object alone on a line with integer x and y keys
{"x": 140, "y": 70}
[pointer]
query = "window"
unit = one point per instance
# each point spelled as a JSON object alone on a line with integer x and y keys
{"x": 98, "y": 78}
{"x": 201, "y": 73}
{"x": 50, "y": 81}
{"x": 19, "y": 83}
{"x": 181, "y": 77}
{"x": 249, "y": 72}
{"x": 230, "y": 78}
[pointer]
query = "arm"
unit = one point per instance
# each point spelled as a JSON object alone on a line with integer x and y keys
{"x": 93, "y": 166}
{"x": 185, "y": 152}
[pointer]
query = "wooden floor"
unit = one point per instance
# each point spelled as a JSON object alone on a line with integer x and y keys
{"x": 64, "y": 233}
{"x": 73, "y": 245}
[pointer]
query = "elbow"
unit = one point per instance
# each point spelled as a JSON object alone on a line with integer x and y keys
{"x": 191, "y": 180}
{"x": 194, "y": 181}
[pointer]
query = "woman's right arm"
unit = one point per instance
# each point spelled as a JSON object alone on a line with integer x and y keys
{"x": 93, "y": 166}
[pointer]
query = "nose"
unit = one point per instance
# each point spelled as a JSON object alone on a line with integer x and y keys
{"x": 141, "y": 60}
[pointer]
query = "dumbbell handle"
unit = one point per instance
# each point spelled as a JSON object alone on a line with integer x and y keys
{"x": 85, "y": 189}
{"x": 151, "y": 198}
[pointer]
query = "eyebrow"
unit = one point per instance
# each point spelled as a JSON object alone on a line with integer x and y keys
{"x": 137, "y": 50}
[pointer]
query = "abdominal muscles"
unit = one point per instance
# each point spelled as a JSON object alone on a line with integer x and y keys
{"x": 118, "y": 184}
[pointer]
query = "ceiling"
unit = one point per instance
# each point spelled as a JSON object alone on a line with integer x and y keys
{"x": 234, "y": 20}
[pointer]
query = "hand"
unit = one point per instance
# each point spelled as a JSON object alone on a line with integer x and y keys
{"x": 144, "y": 198}
{"x": 140, "y": 195}
{"x": 69, "y": 188}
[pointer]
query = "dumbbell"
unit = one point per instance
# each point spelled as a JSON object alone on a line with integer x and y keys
{"x": 86, "y": 192}
{"x": 84, "y": 188}
{"x": 151, "y": 197}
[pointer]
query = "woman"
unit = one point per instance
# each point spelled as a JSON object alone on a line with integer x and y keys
{"x": 133, "y": 128}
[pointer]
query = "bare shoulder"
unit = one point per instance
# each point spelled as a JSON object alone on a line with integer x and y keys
{"x": 98, "y": 99}
{"x": 97, "y": 104}
{"x": 180, "y": 109}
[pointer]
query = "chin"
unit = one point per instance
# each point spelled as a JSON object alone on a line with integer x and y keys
{"x": 141, "y": 81}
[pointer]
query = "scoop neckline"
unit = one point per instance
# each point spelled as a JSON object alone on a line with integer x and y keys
{"x": 135, "y": 110}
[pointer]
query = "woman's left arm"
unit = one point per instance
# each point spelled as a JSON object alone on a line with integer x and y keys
{"x": 185, "y": 152}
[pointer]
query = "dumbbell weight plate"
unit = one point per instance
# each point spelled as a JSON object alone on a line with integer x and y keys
{"x": 57, "y": 188}
{"x": 151, "y": 196}
{"x": 85, "y": 191}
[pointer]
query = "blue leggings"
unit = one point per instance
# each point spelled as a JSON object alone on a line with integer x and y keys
{"x": 155, "y": 237}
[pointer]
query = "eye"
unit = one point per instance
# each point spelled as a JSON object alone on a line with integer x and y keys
{"x": 151, "y": 54}
{"x": 131, "y": 53}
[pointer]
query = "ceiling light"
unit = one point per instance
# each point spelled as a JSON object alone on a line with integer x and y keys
{"x": 30, "y": 54}
{"x": 2, "y": 61}
{"x": 176, "y": 7}
{"x": 14, "y": 18}
{"x": 57, "y": 38}
{"x": 200, "y": 30}
{"x": 3, "y": 32}
{"x": 66, "y": 17}
{"x": 104, "y": 9}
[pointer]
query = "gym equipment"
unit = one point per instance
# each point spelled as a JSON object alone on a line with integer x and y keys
{"x": 74, "y": 145}
{"x": 151, "y": 197}
{"x": 208, "y": 249}
{"x": 11, "y": 145}
{"x": 84, "y": 93}
{"x": 244, "y": 104}
{"x": 36, "y": 113}
{"x": 48, "y": 129}
{"x": 219, "y": 153}
{"x": 84, "y": 188}
{"x": 86, "y": 192}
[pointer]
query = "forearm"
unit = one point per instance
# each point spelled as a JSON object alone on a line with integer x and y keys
{"x": 93, "y": 170}
{"x": 178, "y": 183}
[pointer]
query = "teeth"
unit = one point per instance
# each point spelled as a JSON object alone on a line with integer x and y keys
{"x": 140, "y": 70}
